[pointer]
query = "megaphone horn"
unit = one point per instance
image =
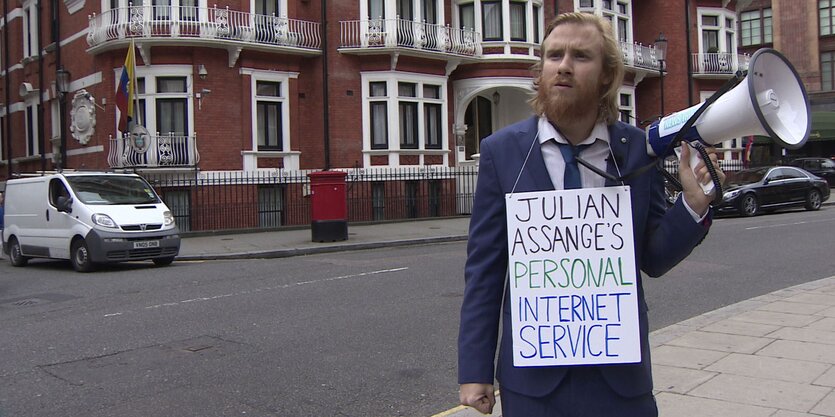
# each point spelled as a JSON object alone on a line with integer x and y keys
{"x": 771, "y": 101}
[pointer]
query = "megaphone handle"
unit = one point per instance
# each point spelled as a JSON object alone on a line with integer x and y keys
{"x": 694, "y": 159}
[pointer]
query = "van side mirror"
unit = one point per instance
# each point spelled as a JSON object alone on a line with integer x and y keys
{"x": 64, "y": 204}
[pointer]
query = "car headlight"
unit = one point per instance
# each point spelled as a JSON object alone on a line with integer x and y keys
{"x": 168, "y": 218}
{"x": 104, "y": 220}
{"x": 730, "y": 195}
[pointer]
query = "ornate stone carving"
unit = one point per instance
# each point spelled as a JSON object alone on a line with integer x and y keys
{"x": 83, "y": 116}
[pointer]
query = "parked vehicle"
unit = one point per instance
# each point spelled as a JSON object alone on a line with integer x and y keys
{"x": 752, "y": 191}
{"x": 822, "y": 167}
{"x": 88, "y": 218}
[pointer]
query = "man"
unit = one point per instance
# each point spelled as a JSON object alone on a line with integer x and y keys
{"x": 577, "y": 81}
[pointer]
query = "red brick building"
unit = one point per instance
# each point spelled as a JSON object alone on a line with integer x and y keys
{"x": 283, "y": 85}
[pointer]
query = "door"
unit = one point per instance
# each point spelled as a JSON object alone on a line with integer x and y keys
{"x": 58, "y": 232}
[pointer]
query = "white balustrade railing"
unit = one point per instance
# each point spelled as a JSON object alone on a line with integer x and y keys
{"x": 159, "y": 151}
{"x": 639, "y": 56}
{"x": 719, "y": 62}
{"x": 214, "y": 23}
{"x": 375, "y": 33}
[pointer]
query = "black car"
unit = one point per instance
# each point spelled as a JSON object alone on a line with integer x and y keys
{"x": 751, "y": 191}
{"x": 822, "y": 167}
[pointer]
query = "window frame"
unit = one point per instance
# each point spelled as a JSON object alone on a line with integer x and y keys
{"x": 725, "y": 28}
{"x": 268, "y": 101}
{"x": 475, "y": 9}
{"x": 283, "y": 79}
{"x": 830, "y": 8}
{"x": 424, "y": 85}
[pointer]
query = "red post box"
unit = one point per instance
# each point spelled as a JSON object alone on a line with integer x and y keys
{"x": 328, "y": 206}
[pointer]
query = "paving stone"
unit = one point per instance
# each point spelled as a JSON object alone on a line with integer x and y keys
{"x": 685, "y": 357}
{"x": 806, "y": 351}
{"x": 732, "y": 326}
{"x": 779, "y": 319}
{"x": 794, "y": 308}
{"x": 829, "y": 312}
{"x": 678, "y": 380}
{"x": 766, "y": 367}
{"x": 676, "y": 405}
{"x": 827, "y": 406}
{"x": 804, "y": 334}
{"x": 721, "y": 342}
{"x": 827, "y": 379}
{"x": 826, "y": 324}
{"x": 766, "y": 393}
{"x": 813, "y": 298}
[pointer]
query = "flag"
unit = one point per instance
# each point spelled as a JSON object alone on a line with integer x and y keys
{"x": 125, "y": 91}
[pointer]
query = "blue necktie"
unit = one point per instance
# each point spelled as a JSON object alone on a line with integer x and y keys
{"x": 571, "y": 175}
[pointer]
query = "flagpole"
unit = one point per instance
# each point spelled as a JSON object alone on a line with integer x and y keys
{"x": 135, "y": 85}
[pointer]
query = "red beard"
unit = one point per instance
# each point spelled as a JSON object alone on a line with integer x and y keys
{"x": 577, "y": 102}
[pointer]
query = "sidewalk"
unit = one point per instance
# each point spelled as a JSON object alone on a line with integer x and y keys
{"x": 770, "y": 356}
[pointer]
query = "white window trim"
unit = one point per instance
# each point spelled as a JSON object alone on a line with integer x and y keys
{"x": 390, "y": 7}
{"x": 630, "y": 91}
{"x": 477, "y": 20}
{"x": 36, "y": 146}
{"x": 290, "y": 158}
{"x": 30, "y": 29}
{"x": 598, "y": 10}
{"x": 282, "y": 5}
{"x": 722, "y": 15}
{"x": 150, "y": 95}
{"x": 392, "y": 78}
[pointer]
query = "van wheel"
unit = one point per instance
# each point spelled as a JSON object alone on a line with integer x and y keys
{"x": 163, "y": 261}
{"x": 80, "y": 256}
{"x": 15, "y": 256}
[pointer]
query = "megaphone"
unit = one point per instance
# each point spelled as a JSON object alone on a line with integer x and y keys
{"x": 770, "y": 101}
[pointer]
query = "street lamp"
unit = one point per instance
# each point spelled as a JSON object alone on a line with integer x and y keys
{"x": 661, "y": 55}
{"x": 62, "y": 84}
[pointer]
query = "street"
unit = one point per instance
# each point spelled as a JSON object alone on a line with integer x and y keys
{"x": 366, "y": 333}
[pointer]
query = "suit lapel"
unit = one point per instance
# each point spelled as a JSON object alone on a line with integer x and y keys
{"x": 619, "y": 145}
{"x": 535, "y": 172}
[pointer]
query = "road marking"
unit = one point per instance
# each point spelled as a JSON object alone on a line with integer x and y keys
{"x": 277, "y": 287}
{"x": 787, "y": 224}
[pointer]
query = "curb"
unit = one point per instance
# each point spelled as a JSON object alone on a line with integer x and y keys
{"x": 286, "y": 253}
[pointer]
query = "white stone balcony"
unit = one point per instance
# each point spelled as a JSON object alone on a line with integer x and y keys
{"x": 408, "y": 37}
{"x": 201, "y": 26}
{"x": 718, "y": 64}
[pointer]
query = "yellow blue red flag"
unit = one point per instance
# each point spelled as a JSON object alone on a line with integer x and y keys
{"x": 125, "y": 92}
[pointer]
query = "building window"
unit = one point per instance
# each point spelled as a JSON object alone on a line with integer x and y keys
{"x": 30, "y": 29}
{"x": 717, "y": 27}
{"x": 491, "y": 20}
{"x": 408, "y": 115}
{"x": 518, "y": 28}
{"x": 378, "y": 107}
{"x": 270, "y": 205}
{"x": 826, "y": 12}
{"x": 619, "y": 14}
{"x": 32, "y": 145}
{"x": 626, "y": 106}
{"x": 827, "y": 71}
{"x": 467, "y": 16}
{"x": 405, "y": 112}
{"x": 268, "y": 103}
{"x": 268, "y": 7}
{"x": 432, "y": 116}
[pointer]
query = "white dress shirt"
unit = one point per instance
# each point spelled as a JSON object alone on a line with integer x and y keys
{"x": 596, "y": 154}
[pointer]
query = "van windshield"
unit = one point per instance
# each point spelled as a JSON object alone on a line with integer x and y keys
{"x": 112, "y": 189}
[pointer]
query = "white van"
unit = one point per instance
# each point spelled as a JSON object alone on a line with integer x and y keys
{"x": 88, "y": 218}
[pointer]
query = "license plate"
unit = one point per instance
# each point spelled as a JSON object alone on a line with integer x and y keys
{"x": 146, "y": 244}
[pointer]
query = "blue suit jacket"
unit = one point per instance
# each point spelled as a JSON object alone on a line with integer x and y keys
{"x": 662, "y": 239}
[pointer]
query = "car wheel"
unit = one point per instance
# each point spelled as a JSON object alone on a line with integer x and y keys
{"x": 813, "y": 200}
{"x": 80, "y": 256}
{"x": 749, "y": 205}
{"x": 15, "y": 255}
{"x": 163, "y": 261}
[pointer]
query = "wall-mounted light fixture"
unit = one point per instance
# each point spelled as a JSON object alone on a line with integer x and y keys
{"x": 496, "y": 97}
{"x": 201, "y": 72}
{"x": 62, "y": 81}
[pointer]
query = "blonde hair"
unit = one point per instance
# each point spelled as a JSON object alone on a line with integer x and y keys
{"x": 612, "y": 64}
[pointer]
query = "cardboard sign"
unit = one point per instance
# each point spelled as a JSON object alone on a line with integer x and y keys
{"x": 573, "y": 285}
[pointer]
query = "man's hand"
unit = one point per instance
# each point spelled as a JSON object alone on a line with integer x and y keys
{"x": 478, "y": 396}
{"x": 693, "y": 193}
